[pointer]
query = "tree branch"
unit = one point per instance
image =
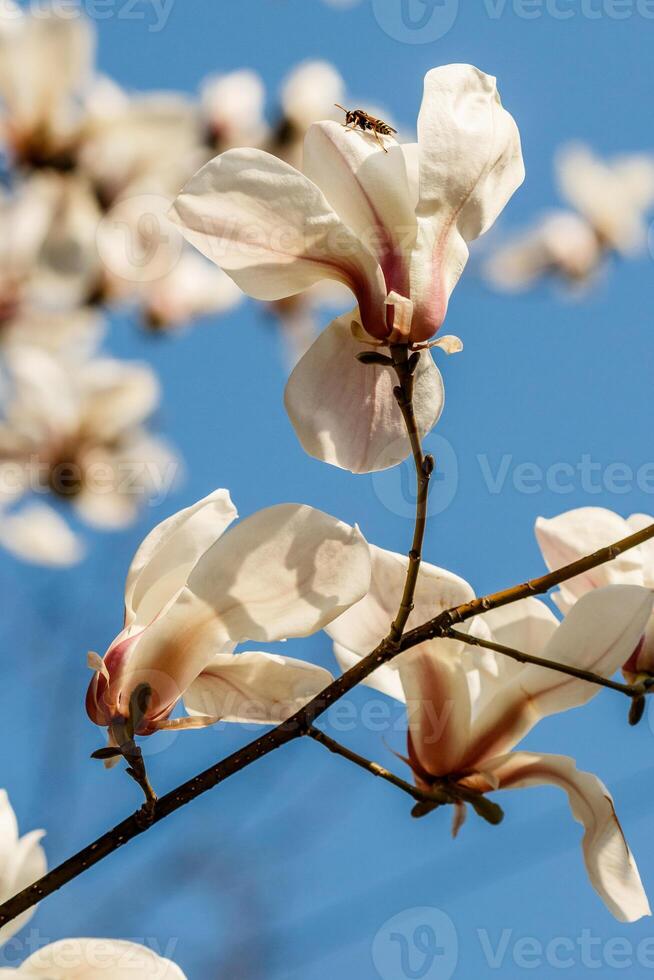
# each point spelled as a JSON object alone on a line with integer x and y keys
{"x": 405, "y": 365}
{"x": 442, "y": 623}
{"x": 631, "y": 690}
{"x": 444, "y": 791}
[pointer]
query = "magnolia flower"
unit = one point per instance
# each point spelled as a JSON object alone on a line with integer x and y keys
{"x": 308, "y": 95}
{"x": 92, "y": 959}
{"x": 611, "y": 202}
{"x": 467, "y": 713}
{"x": 76, "y": 429}
{"x": 45, "y": 64}
{"x": 193, "y": 288}
{"x": 194, "y": 593}
{"x": 22, "y": 862}
{"x": 561, "y": 244}
{"x": 392, "y": 226}
{"x": 580, "y": 532}
{"x": 232, "y": 107}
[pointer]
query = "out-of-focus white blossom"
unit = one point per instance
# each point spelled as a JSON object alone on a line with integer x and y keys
{"x": 233, "y": 109}
{"x": 75, "y": 429}
{"x": 45, "y": 65}
{"x": 611, "y": 199}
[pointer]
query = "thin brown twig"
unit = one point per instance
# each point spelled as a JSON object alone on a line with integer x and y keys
{"x": 405, "y": 365}
{"x": 631, "y": 690}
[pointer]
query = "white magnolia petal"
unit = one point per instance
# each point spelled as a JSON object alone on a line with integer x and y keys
{"x": 273, "y": 231}
{"x": 345, "y": 412}
{"x": 599, "y": 634}
{"x": 577, "y": 533}
{"x": 609, "y": 862}
{"x": 43, "y": 402}
{"x": 385, "y": 679}
{"x": 286, "y": 571}
{"x": 527, "y": 625}
{"x": 470, "y": 165}
{"x": 365, "y": 624}
{"x": 369, "y": 189}
{"x": 194, "y": 287}
{"x": 166, "y": 557}
{"x": 37, "y": 534}
{"x": 438, "y": 706}
{"x": 22, "y": 862}
{"x": 107, "y": 509}
{"x": 97, "y": 959}
{"x": 257, "y": 688}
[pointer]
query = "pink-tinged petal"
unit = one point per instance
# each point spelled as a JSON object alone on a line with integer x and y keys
{"x": 438, "y": 707}
{"x": 345, "y": 412}
{"x": 284, "y": 572}
{"x": 580, "y": 532}
{"x": 97, "y": 959}
{"x": 369, "y": 190}
{"x": 254, "y": 688}
{"x": 599, "y": 634}
{"x": 166, "y": 557}
{"x": 274, "y": 232}
{"x": 470, "y": 165}
{"x": 609, "y": 862}
{"x": 22, "y": 862}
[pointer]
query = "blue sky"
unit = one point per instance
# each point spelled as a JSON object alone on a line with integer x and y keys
{"x": 293, "y": 868}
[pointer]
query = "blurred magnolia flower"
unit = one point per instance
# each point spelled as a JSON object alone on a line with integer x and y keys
{"x": 308, "y": 95}
{"x": 391, "y": 226}
{"x": 467, "y": 713}
{"x": 141, "y": 143}
{"x": 613, "y": 196}
{"x": 192, "y": 288}
{"x": 232, "y": 107}
{"x": 45, "y": 65}
{"x": 22, "y": 862}
{"x": 194, "y": 593}
{"x": 74, "y": 335}
{"x": 75, "y": 429}
{"x": 92, "y": 959}
{"x": 65, "y": 268}
{"x": 562, "y": 244}
{"x": 611, "y": 201}
{"x": 576, "y": 533}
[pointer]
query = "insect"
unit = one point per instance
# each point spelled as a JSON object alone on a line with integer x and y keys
{"x": 358, "y": 119}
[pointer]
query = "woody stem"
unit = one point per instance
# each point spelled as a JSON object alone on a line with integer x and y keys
{"x": 631, "y": 690}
